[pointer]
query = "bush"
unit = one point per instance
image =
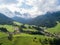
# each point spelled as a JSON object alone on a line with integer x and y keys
{"x": 10, "y": 37}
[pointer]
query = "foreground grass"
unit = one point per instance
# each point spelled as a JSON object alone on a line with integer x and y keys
{"x": 3, "y": 34}
{"x": 31, "y": 40}
{"x": 26, "y": 39}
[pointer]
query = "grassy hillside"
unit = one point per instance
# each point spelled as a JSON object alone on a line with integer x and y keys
{"x": 27, "y": 35}
{"x": 55, "y": 29}
{"x": 26, "y": 39}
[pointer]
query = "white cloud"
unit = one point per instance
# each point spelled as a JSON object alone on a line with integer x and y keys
{"x": 39, "y": 7}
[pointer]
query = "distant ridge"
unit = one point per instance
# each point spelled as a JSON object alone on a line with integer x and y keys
{"x": 5, "y": 20}
{"x": 47, "y": 20}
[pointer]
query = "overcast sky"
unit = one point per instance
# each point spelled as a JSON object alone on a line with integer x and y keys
{"x": 32, "y": 7}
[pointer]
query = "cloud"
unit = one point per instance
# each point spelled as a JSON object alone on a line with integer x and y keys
{"x": 46, "y": 5}
{"x": 42, "y": 6}
{"x": 26, "y": 6}
{"x": 32, "y": 7}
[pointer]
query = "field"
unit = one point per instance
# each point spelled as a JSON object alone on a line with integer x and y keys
{"x": 55, "y": 29}
{"x": 25, "y": 38}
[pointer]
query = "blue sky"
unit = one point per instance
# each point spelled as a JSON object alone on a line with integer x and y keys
{"x": 26, "y": 6}
{"x": 8, "y": 1}
{"x": 32, "y": 7}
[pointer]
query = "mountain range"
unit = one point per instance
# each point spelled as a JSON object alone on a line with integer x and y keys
{"x": 47, "y": 20}
{"x": 5, "y": 20}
